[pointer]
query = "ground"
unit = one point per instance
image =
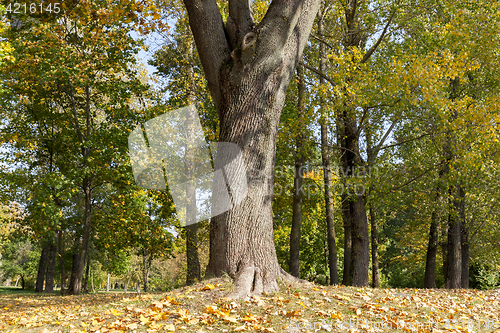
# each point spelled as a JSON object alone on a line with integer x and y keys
{"x": 296, "y": 308}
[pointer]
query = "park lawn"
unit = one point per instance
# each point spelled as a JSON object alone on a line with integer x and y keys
{"x": 296, "y": 308}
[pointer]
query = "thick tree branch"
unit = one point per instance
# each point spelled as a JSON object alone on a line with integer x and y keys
{"x": 240, "y": 21}
{"x": 210, "y": 37}
{"x": 285, "y": 25}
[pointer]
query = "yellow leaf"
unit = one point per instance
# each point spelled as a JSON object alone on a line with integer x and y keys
{"x": 169, "y": 328}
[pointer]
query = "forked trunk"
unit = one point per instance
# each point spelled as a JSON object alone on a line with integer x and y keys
{"x": 248, "y": 68}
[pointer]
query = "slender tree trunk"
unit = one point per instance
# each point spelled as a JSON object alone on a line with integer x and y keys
{"x": 346, "y": 218}
{"x": 42, "y": 264}
{"x": 74, "y": 268}
{"x": 454, "y": 271}
{"x": 432, "y": 246}
{"x": 86, "y": 278}
{"x": 294, "y": 262}
{"x": 327, "y": 170}
{"x": 465, "y": 258}
{"x": 454, "y": 266}
{"x": 444, "y": 251}
{"x": 92, "y": 280}
{"x": 464, "y": 240}
{"x": 60, "y": 250}
{"x": 374, "y": 238}
{"x": 193, "y": 262}
{"x": 51, "y": 264}
{"x": 430, "y": 262}
{"x": 107, "y": 284}
{"x": 145, "y": 271}
{"x": 23, "y": 283}
{"x": 128, "y": 281}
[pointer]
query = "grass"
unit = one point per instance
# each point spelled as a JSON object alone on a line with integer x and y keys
{"x": 295, "y": 308}
{"x": 15, "y": 291}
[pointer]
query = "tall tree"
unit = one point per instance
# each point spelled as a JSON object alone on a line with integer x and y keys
{"x": 298, "y": 192}
{"x": 326, "y": 159}
{"x": 248, "y": 67}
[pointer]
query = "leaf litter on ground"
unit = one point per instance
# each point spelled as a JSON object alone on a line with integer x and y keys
{"x": 296, "y": 308}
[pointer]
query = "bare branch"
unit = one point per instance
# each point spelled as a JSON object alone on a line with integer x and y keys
{"x": 372, "y": 49}
{"x": 389, "y": 130}
{"x": 319, "y": 73}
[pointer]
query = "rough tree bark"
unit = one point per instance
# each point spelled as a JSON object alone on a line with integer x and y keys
{"x": 327, "y": 169}
{"x": 294, "y": 263}
{"x": 248, "y": 68}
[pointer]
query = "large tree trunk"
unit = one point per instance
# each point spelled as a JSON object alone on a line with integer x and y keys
{"x": 327, "y": 170}
{"x": 51, "y": 264}
{"x": 294, "y": 263}
{"x": 76, "y": 282}
{"x": 42, "y": 264}
{"x": 248, "y": 69}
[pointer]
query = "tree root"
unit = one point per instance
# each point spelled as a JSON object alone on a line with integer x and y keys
{"x": 251, "y": 281}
